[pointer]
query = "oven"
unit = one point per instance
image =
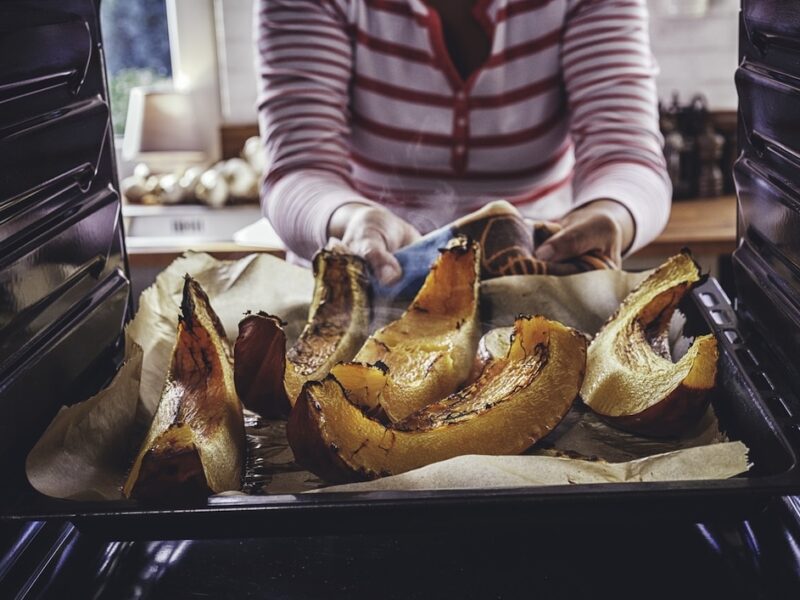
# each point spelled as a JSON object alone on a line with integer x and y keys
{"x": 65, "y": 297}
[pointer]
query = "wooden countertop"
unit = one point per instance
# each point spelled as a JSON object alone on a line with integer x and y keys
{"x": 706, "y": 226}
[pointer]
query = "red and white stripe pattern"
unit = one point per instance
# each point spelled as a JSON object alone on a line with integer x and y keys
{"x": 360, "y": 101}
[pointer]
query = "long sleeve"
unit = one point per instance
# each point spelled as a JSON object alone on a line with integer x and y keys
{"x": 304, "y": 65}
{"x": 609, "y": 76}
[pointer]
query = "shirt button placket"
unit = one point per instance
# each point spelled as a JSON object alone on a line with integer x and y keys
{"x": 460, "y": 131}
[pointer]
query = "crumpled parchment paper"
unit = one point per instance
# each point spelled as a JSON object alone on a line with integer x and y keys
{"x": 469, "y": 472}
{"x": 87, "y": 449}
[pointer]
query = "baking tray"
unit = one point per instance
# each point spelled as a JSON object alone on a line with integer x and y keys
{"x": 54, "y": 78}
{"x": 752, "y": 405}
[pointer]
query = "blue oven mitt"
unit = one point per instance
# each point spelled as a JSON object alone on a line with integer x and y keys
{"x": 416, "y": 260}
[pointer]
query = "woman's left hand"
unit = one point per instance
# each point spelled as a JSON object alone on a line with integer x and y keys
{"x": 605, "y": 226}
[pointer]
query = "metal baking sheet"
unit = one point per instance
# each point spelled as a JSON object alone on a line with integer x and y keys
{"x": 748, "y": 405}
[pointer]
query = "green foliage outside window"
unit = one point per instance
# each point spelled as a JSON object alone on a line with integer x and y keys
{"x": 136, "y": 40}
{"x": 119, "y": 88}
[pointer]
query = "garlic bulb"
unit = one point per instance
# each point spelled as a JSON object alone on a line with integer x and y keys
{"x": 133, "y": 188}
{"x": 171, "y": 190}
{"x": 254, "y": 153}
{"x": 241, "y": 179}
{"x": 212, "y": 189}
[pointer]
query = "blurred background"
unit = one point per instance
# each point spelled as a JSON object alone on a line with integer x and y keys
{"x": 183, "y": 90}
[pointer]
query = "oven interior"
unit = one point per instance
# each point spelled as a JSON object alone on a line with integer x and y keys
{"x": 64, "y": 286}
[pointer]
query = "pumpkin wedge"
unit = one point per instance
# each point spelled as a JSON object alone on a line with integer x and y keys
{"x": 631, "y": 380}
{"x": 259, "y": 365}
{"x": 338, "y": 322}
{"x": 196, "y": 442}
{"x": 516, "y": 401}
{"x": 338, "y": 319}
{"x": 429, "y": 350}
{"x": 493, "y": 344}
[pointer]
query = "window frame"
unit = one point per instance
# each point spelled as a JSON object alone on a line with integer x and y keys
{"x": 193, "y": 56}
{"x": 193, "y": 50}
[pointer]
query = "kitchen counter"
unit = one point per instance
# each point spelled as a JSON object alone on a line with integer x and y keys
{"x": 707, "y": 226}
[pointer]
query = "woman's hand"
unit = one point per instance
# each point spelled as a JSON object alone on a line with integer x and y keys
{"x": 603, "y": 225}
{"x": 373, "y": 233}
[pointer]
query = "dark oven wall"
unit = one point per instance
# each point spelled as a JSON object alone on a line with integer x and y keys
{"x": 64, "y": 291}
{"x": 767, "y": 174}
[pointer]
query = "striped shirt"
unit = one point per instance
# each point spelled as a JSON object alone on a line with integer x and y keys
{"x": 360, "y": 101}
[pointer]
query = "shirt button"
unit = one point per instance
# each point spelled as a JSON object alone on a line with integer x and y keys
{"x": 460, "y": 149}
{"x": 461, "y": 121}
{"x": 460, "y": 95}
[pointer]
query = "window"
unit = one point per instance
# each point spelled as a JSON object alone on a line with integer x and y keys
{"x": 136, "y": 39}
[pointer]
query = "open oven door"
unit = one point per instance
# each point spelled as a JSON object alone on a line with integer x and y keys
{"x": 64, "y": 289}
{"x": 65, "y": 296}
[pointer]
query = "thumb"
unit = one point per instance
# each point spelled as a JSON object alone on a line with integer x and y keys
{"x": 336, "y": 245}
{"x": 382, "y": 262}
{"x": 391, "y": 271}
{"x": 567, "y": 243}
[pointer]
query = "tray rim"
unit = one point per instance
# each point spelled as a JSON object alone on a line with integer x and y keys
{"x": 486, "y": 504}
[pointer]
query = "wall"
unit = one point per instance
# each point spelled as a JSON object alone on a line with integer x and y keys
{"x": 234, "y": 25}
{"x": 695, "y": 54}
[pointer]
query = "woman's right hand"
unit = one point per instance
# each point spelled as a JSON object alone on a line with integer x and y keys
{"x": 373, "y": 233}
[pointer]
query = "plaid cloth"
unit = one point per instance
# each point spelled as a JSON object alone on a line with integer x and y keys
{"x": 507, "y": 242}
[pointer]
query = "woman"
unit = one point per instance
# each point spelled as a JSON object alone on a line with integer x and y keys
{"x": 384, "y": 119}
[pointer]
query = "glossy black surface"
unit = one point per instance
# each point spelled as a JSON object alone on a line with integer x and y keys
{"x": 64, "y": 297}
{"x": 759, "y": 558}
{"x": 64, "y": 292}
{"x": 746, "y": 411}
{"x": 767, "y": 174}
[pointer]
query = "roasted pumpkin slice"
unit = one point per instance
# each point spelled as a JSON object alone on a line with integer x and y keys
{"x": 363, "y": 384}
{"x": 429, "y": 350}
{"x": 338, "y": 323}
{"x": 259, "y": 365}
{"x": 338, "y": 319}
{"x": 516, "y": 401}
{"x": 631, "y": 380}
{"x": 196, "y": 442}
{"x": 493, "y": 345}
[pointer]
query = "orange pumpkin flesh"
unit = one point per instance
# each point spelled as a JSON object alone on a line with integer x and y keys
{"x": 196, "y": 442}
{"x": 268, "y": 376}
{"x": 429, "y": 350}
{"x": 631, "y": 381}
{"x": 517, "y": 400}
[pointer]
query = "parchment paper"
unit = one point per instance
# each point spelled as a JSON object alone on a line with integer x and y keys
{"x": 470, "y": 472}
{"x": 88, "y": 445}
{"x": 87, "y": 449}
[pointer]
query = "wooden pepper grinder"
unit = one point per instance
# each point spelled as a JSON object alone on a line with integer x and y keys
{"x": 709, "y": 153}
{"x": 674, "y": 146}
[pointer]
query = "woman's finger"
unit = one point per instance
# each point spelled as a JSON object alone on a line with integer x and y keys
{"x": 336, "y": 245}
{"x": 584, "y": 231}
{"x": 382, "y": 263}
{"x": 568, "y": 243}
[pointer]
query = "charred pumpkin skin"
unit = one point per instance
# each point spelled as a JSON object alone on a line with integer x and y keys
{"x": 338, "y": 320}
{"x": 268, "y": 376}
{"x": 429, "y": 350}
{"x": 517, "y": 400}
{"x": 631, "y": 381}
{"x": 259, "y": 365}
{"x": 196, "y": 442}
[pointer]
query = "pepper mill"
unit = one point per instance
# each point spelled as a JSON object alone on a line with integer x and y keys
{"x": 709, "y": 154}
{"x": 674, "y": 146}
